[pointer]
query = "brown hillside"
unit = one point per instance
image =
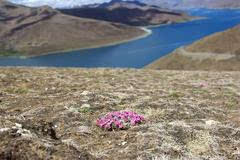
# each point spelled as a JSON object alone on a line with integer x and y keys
{"x": 33, "y": 31}
{"x": 223, "y": 42}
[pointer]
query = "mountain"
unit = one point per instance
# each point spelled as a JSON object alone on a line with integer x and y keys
{"x": 113, "y": 4}
{"x": 184, "y": 4}
{"x": 128, "y": 12}
{"x": 163, "y": 3}
{"x": 220, "y": 51}
{"x": 57, "y": 3}
{"x": 172, "y": 4}
{"x": 33, "y": 31}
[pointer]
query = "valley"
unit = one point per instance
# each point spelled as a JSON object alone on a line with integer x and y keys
{"x": 138, "y": 53}
{"x": 74, "y": 41}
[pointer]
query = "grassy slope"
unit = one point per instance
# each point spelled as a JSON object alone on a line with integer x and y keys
{"x": 189, "y": 114}
{"x": 176, "y": 61}
{"x": 223, "y": 42}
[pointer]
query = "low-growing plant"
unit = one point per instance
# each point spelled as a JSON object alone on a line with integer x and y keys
{"x": 119, "y": 120}
{"x": 17, "y": 90}
{"x": 85, "y": 110}
{"x": 9, "y": 53}
{"x": 176, "y": 95}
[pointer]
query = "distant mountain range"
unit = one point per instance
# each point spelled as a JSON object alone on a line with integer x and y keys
{"x": 33, "y": 31}
{"x": 220, "y": 51}
{"x": 57, "y": 3}
{"x": 185, "y": 4}
{"x": 172, "y": 4}
{"x": 128, "y": 12}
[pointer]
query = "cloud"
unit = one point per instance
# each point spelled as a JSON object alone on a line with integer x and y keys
{"x": 57, "y": 3}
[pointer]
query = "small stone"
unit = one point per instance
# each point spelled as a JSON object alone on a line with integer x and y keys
{"x": 211, "y": 123}
{"x": 84, "y": 129}
{"x": 85, "y": 93}
{"x": 18, "y": 125}
{"x": 4, "y": 129}
{"x": 86, "y": 106}
{"x": 123, "y": 143}
{"x": 74, "y": 110}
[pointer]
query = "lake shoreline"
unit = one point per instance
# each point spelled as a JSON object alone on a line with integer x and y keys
{"x": 191, "y": 20}
{"x": 146, "y": 34}
{"x": 146, "y": 29}
{"x": 137, "y": 54}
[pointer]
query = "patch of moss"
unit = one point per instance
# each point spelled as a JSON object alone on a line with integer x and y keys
{"x": 9, "y": 53}
{"x": 85, "y": 110}
{"x": 232, "y": 103}
{"x": 176, "y": 95}
{"x": 17, "y": 90}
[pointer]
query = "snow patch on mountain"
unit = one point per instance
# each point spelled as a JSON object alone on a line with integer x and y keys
{"x": 57, "y": 3}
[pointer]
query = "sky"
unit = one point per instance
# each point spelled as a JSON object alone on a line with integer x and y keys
{"x": 57, "y": 3}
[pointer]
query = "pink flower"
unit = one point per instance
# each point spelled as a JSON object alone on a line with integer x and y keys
{"x": 119, "y": 120}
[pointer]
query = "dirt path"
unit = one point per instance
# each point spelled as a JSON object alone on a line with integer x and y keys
{"x": 205, "y": 55}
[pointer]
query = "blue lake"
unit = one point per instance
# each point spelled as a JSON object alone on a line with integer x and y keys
{"x": 137, "y": 54}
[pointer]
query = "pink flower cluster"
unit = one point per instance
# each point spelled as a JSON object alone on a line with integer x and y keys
{"x": 119, "y": 120}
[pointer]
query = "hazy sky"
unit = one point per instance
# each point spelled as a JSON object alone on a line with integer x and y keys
{"x": 57, "y": 3}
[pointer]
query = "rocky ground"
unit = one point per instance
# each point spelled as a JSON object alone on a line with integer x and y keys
{"x": 51, "y": 114}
